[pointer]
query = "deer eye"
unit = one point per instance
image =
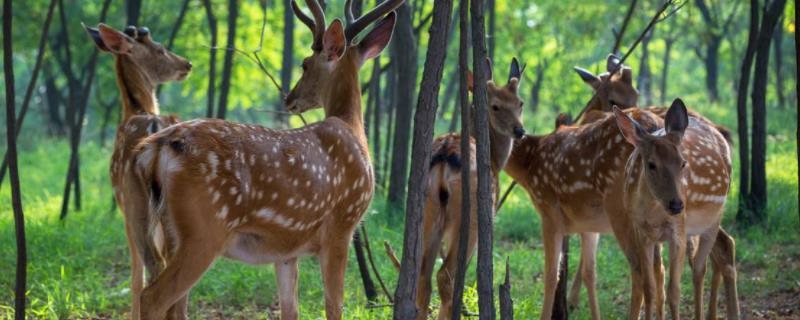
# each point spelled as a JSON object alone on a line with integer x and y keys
{"x": 651, "y": 165}
{"x": 613, "y": 103}
{"x": 683, "y": 164}
{"x": 495, "y": 107}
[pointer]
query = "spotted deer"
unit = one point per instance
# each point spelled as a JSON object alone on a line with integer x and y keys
{"x": 259, "y": 195}
{"x": 619, "y": 88}
{"x": 569, "y": 175}
{"x": 442, "y": 214}
{"x": 140, "y": 64}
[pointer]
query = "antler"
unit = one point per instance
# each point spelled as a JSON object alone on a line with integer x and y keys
{"x": 317, "y": 25}
{"x": 355, "y": 26}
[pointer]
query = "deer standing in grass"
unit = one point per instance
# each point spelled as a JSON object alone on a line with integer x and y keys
{"x": 442, "y": 215}
{"x": 610, "y": 90}
{"x": 569, "y": 175}
{"x": 140, "y": 64}
{"x": 269, "y": 196}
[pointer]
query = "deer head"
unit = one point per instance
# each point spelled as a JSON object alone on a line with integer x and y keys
{"x": 505, "y": 105}
{"x": 157, "y": 63}
{"x": 660, "y": 163}
{"x": 611, "y": 89}
{"x": 336, "y": 52}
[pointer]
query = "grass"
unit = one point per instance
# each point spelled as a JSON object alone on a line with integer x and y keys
{"x": 78, "y": 268}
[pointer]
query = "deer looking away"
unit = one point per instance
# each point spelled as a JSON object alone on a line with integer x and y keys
{"x": 442, "y": 215}
{"x": 269, "y": 196}
{"x": 140, "y": 64}
{"x": 570, "y": 174}
{"x": 723, "y": 251}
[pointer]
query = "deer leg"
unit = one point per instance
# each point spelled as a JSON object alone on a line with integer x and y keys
{"x": 637, "y": 288}
{"x": 587, "y": 269}
{"x": 179, "y": 310}
{"x": 658, "y": 270}
{"x": 432, "y": 240}
{"x": 333, "y": 262}
{"x": 552, "y": 240}
{"x": 286, "y": 274}
{"x": 647, "y": 252}
{"x": 723, "y": 261}
{"x": 677, "y": 254}
{"x": 137, "y": 272}
{"x": 699, "y": 269}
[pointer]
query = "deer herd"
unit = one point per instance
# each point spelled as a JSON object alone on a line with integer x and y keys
{"x": 196, "y": 190}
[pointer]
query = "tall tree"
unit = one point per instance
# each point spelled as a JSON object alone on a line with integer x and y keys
{"x": 711, "y": 36}
{"x": 645, "y": 78}
{"x": 212, "y": 59}
{"x": 536, "y": 88}
{"x": 669, "y": 42}
{"x": 466, "y": 201}
{"x": 11, "y": 139}
{"x": 134, "y": 9}
{"x": 287, "y": 61}
{"x": 777, "y": 49}
{"x": 797, "y": 100}
{"x": 404, "y": 61}
{"x": 758, "y": 182}
{"x": 490, "y": 6}
{"x": 484, "y": 191}
{"x": 227, "y": 64}
{"x": 619, "y": 34}
{"x": 743, "y": 213}
{"x": 424, "y": 119}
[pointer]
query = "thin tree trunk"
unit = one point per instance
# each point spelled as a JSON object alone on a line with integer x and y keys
{"x": 536, "y": 88}
{"x": 645, "y": 78}
{"x": 668, "y": 42}
{"x": 108, "y": 108}
{"x": 758, "y": 184}
{"x": 227, "y": 64}
{"x": 506, "y": 304}
{"x": 391, "y": 91}
{"x": 466, "y": 202}
{"x": 424, "y": 119}
{"x": 31, "y": 84}
{"x": 404, "y": 53}
{"x": 363, "y": 269}
{"x": 619, "y": 35}
{"x": 711, "y": 62}
{"x": 484, "y": 194}
{"x": 20, "y": 283}
{"x": 797, "y": 100}
{"x": 178, "y": 24}
{"x": 134, "y": 8}
{"x": 375, "y": 94}
{"x": 743, "y": 215}
{"x": 778, "y": 50}
{"x": 212, "y": 59}
{"x": 54, "y": 102}
{"x": 492, "y": 35}
{"x": 287, "y": 61}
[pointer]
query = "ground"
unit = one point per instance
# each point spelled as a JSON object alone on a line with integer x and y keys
{"x": 79, "y": 269}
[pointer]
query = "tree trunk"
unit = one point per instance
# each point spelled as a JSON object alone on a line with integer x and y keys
{"x": 288, "y": 56}
{"x": 227, "y": 64}
{"x": 668, "y": 42}
{"x": 134, "y": 9}
{"x": 484, "y": 194}
{"x": 536, "y": 88}
{"x": 212, "y": 59}
{"x": 466, "y": 203}
{"x": 363, "y": 269}
{"x": 178, "y": 24}
{"x": 797, "y": 100}
{"x": 391, "y": 90}
{"x": 645, "y": 78}
{"x": 506, "y": 304}
{"x": 778, "y": 50}
{"x": 31, "y": 84}
{"x": 375, "y": 94}
{"x": 758, "y": 184}
{"x": 54, "y": 101}
{"x": 490, "y": 6}
{"x": 424, "y": 119}
{"x": 404, "y": 54}
{"x": 743, "y": 215}
{"x": 619, "y": 35}
{"x": 711, "y": 62}
{"x": 20, "y": 283}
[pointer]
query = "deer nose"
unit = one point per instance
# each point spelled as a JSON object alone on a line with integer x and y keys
{"x": 519, "y": 132}
{"x": 675, "y": 206}
{"x": 188, "y": 65}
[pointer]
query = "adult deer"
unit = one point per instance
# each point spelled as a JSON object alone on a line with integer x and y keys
{"x": 140, "y": 64}
{"x": 268, "y": 196}
{"x": 610, "y": 90}
{"x": 442, "y": 215}
{"x": 569, "y": 174}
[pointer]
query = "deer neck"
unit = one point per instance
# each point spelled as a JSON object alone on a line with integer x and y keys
{"x": 343, "y": 98}
{"x": 137, "y": 90}
{"x": 500, "y": 149}
{"x": 524, "y": 155}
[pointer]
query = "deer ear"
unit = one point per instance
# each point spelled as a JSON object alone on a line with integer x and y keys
{"x": 627, "y": 75}
{"x": 612, "y": 62}
{"x": 676, "y": 120}
{"x": 588, "y": 77}
{"x": 373, "y": 43}
{"x": 95, "y": 35}
{"x": 629, "y": 128}
{"x": 333, "y": 41}
{"x": 116, "y": 42}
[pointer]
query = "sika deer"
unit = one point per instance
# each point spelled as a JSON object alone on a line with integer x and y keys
{"x": 723, "y": 262}
{"x": 442, "y": 216}
{"x": 140, "y": 64}
{"x": 269, "y": 196}
{"x": 569, "y": 174}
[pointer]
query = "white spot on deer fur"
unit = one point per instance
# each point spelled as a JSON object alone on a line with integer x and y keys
{"x": 215, "y": 197}
{"x": 213, "y": 161}
{"x": 265, "y": 213}
{"x": 290, "y": 202}
{"x": 223, "y": 213}
{"x": 252, "y": 160}
{"x": 239, "y": 199}
{"x": 233, "y": 190}
{"x": 228, "y": 164}
{"x": 277, "y": 164}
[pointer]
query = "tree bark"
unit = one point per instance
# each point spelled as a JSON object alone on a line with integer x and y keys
{"x": 645, "y": 78}
{"x": 424, "y": 119}
{"x": 54, "y": 101}
{"x": 778, "y": 50}
{"x": 134, "y": 9}
{"x": 404, "y": 53}
{"x": 758, "y": 184}
{"x": 490, "y": 6}
{"x": 797, "y": 100}
{"x": 743, "y": 214}
{"x": 536, "y": 88}
{"x": 506, "y": 304}
{"x": 178, "y": 24}
{"x": 363, "y": 270}
{"x": 287, "y": 61}
{"x": 31, "y": 84}
{"x": 20, "y": 283}
{"x": 619, "y": 35}
{"x": 212, "y": 59}
{"x": 712, "y": 35}
{"x": 375, "y": 95}
{"x": 668, "y": 43}
{"x": 227, "y": 64}
{"x": 484, "y": 194}
{"x": 466, "y": 203}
